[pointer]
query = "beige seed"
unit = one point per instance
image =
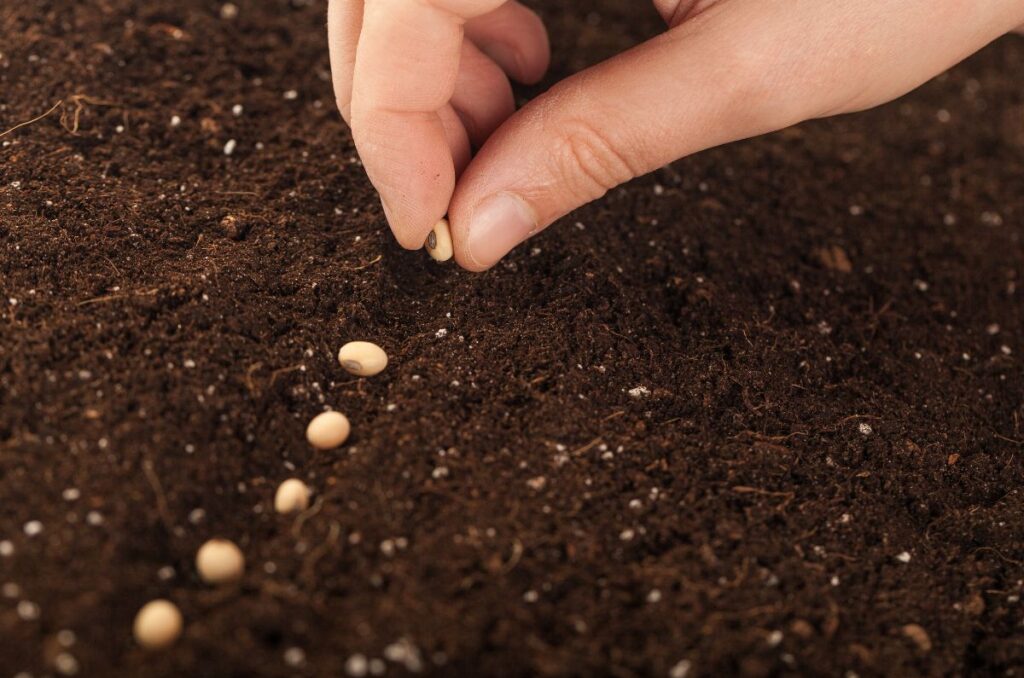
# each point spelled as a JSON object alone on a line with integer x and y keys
{"x": 157, "y": 625}
{"x": 328, "y": 430}
{"x": 363, "y": 358}
{"x": 219, "y": 561}
{"x": 292, "y": 495}
{"x": 439, "y": 241}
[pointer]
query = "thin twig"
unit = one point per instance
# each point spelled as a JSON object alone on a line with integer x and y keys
{"x": 366, "y": 265}
{"x": 301, "y": 519}
{"x": 33, "y": 120}
{"x": 308, "y": 573}
{"x": 161, "y": 499}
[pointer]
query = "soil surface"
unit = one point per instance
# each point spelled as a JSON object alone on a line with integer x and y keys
{"x": 760, "y": 413}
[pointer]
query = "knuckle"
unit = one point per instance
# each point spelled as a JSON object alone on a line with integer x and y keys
{"x": 590, "y": 161}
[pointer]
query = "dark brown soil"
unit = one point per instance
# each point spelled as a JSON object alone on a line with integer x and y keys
{"x": 827, "y": 325}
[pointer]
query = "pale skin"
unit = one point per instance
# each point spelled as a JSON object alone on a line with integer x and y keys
{"x": 424, "y": 84}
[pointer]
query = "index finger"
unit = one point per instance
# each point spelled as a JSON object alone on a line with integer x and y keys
{"x": 406, "y": 66}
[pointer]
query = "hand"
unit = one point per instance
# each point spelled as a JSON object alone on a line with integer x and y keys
{"x": 428, "y": 79}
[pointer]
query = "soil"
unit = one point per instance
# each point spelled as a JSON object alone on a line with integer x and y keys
{"x": 760, "y": 413}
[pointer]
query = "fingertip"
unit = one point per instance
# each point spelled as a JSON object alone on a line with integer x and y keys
{"x": 536, "y": 55}
{"x": 516, "y": 38}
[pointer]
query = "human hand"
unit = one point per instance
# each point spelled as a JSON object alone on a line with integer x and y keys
{"x": 419, "y": 88}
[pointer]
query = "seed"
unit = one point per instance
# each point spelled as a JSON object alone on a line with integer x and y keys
{"x": 328, "y": 430}
{"x": 219, "y": 561}
{"x": 363, "y": 358}
{"x": 292, "y": 495}
{"x": 157, "y": 625}
{"x": 439, "y": 241}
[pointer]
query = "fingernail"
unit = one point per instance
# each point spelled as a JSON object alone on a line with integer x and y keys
{"x": 499, "y": 223}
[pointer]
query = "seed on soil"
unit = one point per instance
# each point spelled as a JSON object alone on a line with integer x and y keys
{"x": 439, "y": 241}
{"x": 363, "y": 358}
{"x": 219, "y": 561}
{"x": 328, "y": 430}
{"x": 292, "y": 495}
{"x": 157, "y": 625}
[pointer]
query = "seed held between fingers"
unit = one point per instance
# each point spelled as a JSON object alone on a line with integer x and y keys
{"x": 363, "y": 358}
{"x": 328, "y": 430}
{"x": 157, "y": 624}
{"x": 219, "y": 561}
{"x": 292, "y": 496}
{"x": 439, "y": 241}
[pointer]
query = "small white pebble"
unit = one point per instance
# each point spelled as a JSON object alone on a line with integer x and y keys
{"x": 237, "y": 110}
{"x": 439, "y": 241}
{"x": 291, "y": 95}
{"x": 681, "y": 669}
{"x": 362, "y": 358}
{"x": 903, "y": 557}
{"x": 639, "y": 392}
{"x": 356, "y": 666}
{"x": 220, "y": 561}
{"x": 654, "y": 596}
{"x": 229, "y": 147}
{"x": 6, "y": 548}
{"x": 865, "y": 428}
{"x": 440, "y": 334}
{"x": 94, "y": 518}
{"x": 27, "y": 610}
{"x": 157, "y": 625}
{"x": 66, "y": 664}
{"x": 992, "y": 329}
{"x": 531, "y": 596}
{"x": 537, "y": 483}
{"x": 627, "y": 534}
{"x": 292, "y": 496}
{"x": 175, "y": 121}
{"x": 228, "y": 11}
{"x": 33, "y": 528}
{"x": 294, "y": 656}
{"x": 71, "y": 494}
{"x": 328, "y": 430}
{"x": 991, "y": 219}
{"x": 774, "y": 638}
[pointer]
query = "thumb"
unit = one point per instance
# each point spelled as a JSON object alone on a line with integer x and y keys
{"x": 739, "y": 69}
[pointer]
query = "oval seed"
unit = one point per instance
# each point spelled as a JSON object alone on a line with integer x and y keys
{"x": 157, "y": 625}
{"x": 292, "y": 495}
{"x": 439, "y": 241}
{"x": 328, "y": 430}
{"x": 363, "y": 358}
{"x": 219, "y": 561}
